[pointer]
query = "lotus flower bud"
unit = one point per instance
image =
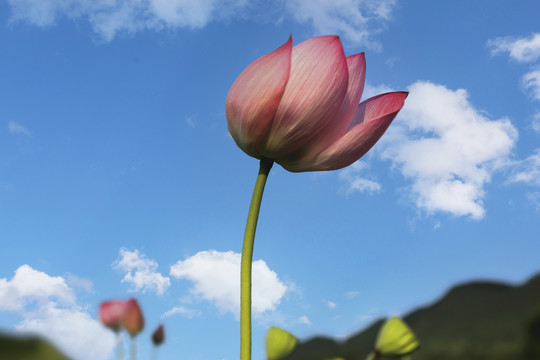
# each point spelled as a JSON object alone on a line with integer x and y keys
{"x": 300, "y": 107}
{"x": 133, "y": 320}
{"x": 279, "y": 343}
{"x": 111, "y": 313}
{"x": 158, "y": 336}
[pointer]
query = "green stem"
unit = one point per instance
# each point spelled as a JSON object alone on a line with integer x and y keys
{"x": 247, "y": 259}
{"x": 119, "y": 346}
{"x": 133, "y": 350}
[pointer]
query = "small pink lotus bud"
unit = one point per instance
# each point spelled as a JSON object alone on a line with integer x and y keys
{"x": 133, "y": 320}
{"x": 158, "y": 336}
{"x": 300, "y": 107}
{"x": 111, "y": 313}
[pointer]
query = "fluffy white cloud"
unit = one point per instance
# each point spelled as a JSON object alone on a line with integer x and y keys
{"x": 520, "y": 49}
{"x": 356, "y": 183}
{"x": 109, "y": 17}
{"x": 48, "y": 307}
{"x": 72, "y": 329}
{"x": 447, "y": 148}
{"x": 16, "y": 128}
{"x": 141, "y": 273}
{"x": 531, "y": 83}
{"x": 216, "y": 278}
{"x": 356, "y": 20}
{"x": 29, "y": 286}
{"x": 528, "y": 170}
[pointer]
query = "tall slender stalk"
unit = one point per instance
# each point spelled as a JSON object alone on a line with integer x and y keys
{"x": 119, "y": 346}
{"x": 247, "y": 259}
{"x": 133, "y": 350}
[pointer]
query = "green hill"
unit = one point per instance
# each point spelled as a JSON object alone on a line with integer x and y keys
{"x": 475, "y": 321}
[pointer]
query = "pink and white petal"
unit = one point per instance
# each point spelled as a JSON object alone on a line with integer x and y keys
{"x": 342, "y": 119}
{"x": 314, "y": 93}
{"x": 254, "y": 98}
{"x": 370, "y": 122}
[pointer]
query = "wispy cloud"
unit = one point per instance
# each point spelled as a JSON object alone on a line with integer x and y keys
{"x": 448, "y": 149}
{"x": 108, "y": 18}
{"x": 351, "y": 294}
{"x": 355, "y": 182}
{"x": 531, "y": 83}
{"x": 182, "y": 311}
{"x": 357, "y": 21}
{"x": 524, "y": 49}
{"x": 141, "y": 272}
{"x": 330, "y": 304}
{"x": 527, "y": 170}
{"x": 77, "y": 282}
{"x": 49, "y": 307}
{"x": 304, "y": 320}
{"x": 16, "y": 128}
{"x": 216, "y": 278}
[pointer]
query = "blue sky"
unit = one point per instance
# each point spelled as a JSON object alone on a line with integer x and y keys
{"x": 118, "y": 178}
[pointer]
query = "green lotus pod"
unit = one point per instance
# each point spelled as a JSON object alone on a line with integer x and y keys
{"x": 396, "y": 339}
{"x": 279, "y": 343}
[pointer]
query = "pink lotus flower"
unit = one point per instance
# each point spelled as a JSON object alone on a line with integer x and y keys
{"x": 127, "y": 314}
{"x": 133, "y": 320}
{"x": 111, "y": 313}
{"x": 299, "y": 106}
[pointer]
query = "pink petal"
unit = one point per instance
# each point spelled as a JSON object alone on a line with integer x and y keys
{"x": 371, "y": 120}
{"x": 133, "y": 321}
{"x": 111, "y": 313}
{"x": 254, "y": 98}
{"x": 342, "y": 119}
{"x": 314, "y": 93}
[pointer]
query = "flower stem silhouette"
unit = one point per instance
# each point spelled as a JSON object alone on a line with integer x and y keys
{"x": 247, "y": 259}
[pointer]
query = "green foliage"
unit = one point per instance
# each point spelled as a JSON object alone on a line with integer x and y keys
{"x": 27, "y": 348}
{"x": 474, "y": 321}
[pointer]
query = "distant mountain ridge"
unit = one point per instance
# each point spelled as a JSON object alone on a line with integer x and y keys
{"x": 473, "y": 321}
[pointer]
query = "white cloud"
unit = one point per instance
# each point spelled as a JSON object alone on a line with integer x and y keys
{"x": 29, "y": 286}
{"x": 78, "y": 282}
{"x": 141, "y": 273}
{"x": 304, "y": 320}
{"x": 351, "y": 294}
{"x": 520, "y": 49}
{"x": 16, "y": 128}
{"x": 180, "y": 310}
{"x": 72, "y": 329}
{"x": 447, "y": 148}
{"x": 528, "y": 170}
{"x": 110, "y": 17}
{"x": 531, "y": 83}
{"x": 330, "y": 304}
{"x": 216, "y": 278}
{"x": 49, "y": 308}
{"x": 355, "y": 183}
{"x": 356, "y": 20}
